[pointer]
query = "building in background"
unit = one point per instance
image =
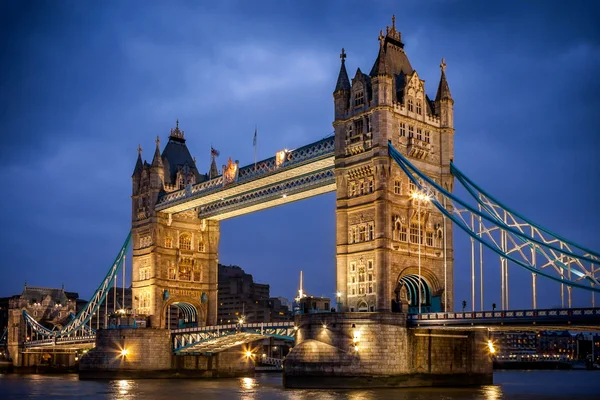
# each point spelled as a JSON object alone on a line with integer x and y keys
{"x": 240, "y": 296}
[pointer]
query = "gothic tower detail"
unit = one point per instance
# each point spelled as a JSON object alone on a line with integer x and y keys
{"x": 381, "y": 227}
{"x": 175, "y": 256}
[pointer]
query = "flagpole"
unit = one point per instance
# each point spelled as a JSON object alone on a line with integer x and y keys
{"x": 255, "y": 145}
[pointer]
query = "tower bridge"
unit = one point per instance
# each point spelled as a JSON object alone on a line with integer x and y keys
{"x": 391, "y": 164}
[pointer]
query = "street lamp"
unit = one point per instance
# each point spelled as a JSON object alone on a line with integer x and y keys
{"x": 339, "y": 305}
{"x": 420, "y": 196}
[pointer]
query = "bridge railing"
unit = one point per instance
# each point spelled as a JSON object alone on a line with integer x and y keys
{"x": 210, "y": 328}
{"x": 513, "y": 314}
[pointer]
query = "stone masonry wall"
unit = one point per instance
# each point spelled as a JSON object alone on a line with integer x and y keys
{"x": 148, "y": 349}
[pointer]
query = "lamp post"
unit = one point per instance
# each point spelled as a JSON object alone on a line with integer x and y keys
{"x": 419, "y": 196}
{"x": 339, "y": 305}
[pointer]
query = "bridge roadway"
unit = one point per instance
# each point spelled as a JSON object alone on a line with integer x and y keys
{"x": 213, "y": 339}
{"x": 289, "y": 176}
{"x": 550, "y": 319}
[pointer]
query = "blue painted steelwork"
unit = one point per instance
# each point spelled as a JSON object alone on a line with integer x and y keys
{"x": 560, "y": 318}
{"x": 304, "y": 155}
{"x": 189, "y": 337}
{"x": 560, "y": 259}
{"x": 77, "y": 325}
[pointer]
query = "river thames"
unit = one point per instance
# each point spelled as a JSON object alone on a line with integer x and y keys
{"x": 507, "y": 385}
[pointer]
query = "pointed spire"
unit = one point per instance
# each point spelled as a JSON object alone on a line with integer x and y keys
{"x": 443, "y": 92}
{"x": 380, "y": 67}
{"x": 343, "y": 83}
{"x": 138, "y": 164}
{"x": 157, "y": 160}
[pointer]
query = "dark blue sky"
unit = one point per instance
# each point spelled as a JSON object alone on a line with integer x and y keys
{"x": 82, "y": 84}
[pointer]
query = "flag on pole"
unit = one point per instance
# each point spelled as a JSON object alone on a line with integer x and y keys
{"x": 254, "y": 144}
{"x": 214, "y": 152}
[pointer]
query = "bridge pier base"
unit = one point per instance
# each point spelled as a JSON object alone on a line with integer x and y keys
{"x": 346, "y": 350}
{"x": 148, "y": 353}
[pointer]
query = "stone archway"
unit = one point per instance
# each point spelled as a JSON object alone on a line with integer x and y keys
{"x": 412, "y": 289}
{"x": 182, "y": 313}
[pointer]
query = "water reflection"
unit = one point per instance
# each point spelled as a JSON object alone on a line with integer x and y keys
{"x": 515, "y": 384}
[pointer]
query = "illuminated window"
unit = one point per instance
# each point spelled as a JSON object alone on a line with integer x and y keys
{"x": 414, "y": 233}
{"x": 412, "y": 187}
{"x": 168, "y": 242}
{"x": 402, "y": 129}
{"x": 172, "y": 274}
{"x": 185, "y": 242}
{"x": 419, "y": 109}
{"x": 403, "y": 233}
{"x": 362, "y": 233}
{"x": 410, "y": 105}
{"x": 397, "y": 186}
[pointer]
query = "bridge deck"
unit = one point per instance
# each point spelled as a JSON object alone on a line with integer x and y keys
{"x": 303, "y": 173}
{"x": 220, "y": 344}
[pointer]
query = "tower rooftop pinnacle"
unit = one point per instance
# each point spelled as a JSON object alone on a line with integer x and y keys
{"x": 138, "y": 164}
{"x": 391, "y": 59}
{"x": 443, "y": 92}
{"x": 343, "y": 83}
{"x": 177, "y": 133}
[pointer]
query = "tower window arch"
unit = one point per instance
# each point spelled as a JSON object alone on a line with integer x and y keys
{"x": 185, "y": 241}
{"x": 359, "y": 98}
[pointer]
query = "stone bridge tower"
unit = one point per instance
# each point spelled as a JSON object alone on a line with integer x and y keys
{"x": 175, "y": 256}
{"x": 378, "y": 221}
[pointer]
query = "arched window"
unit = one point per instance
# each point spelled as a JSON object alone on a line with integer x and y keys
{"x": 359, "y": 98}
{"x": 185, "y": 242}
{"x": 411, "y": 105}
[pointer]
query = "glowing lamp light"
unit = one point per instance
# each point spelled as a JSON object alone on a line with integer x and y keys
{"x": 491, "y": 347}
{"x": 339, "y": 294}
{"x": 295, "y": 328}
{"x": 355, "y": 348}
{"x": 248, "y": 354}
{"x": 124, "y": 353}
{"x": 324, "y": 326}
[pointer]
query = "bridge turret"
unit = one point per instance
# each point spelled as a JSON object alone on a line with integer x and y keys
{"x": 157, "y": 175}
{"x": 341, "y": 94}
{"x": 137, "y": 171}
{"x": 444, "y": 104}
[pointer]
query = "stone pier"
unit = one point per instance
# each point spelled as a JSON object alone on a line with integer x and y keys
{"x": 346, "y": 350}
{"x": 147, "y": 353}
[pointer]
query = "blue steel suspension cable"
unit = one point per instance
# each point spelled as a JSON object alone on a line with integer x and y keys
{"x": 400, "y": 160}
{"x": 97, "y": 299}
{"x": 527, "y": 242}
{"x": 467, "y": 182}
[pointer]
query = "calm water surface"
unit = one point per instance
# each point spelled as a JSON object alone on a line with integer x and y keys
{"x": 507, "y": 385}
